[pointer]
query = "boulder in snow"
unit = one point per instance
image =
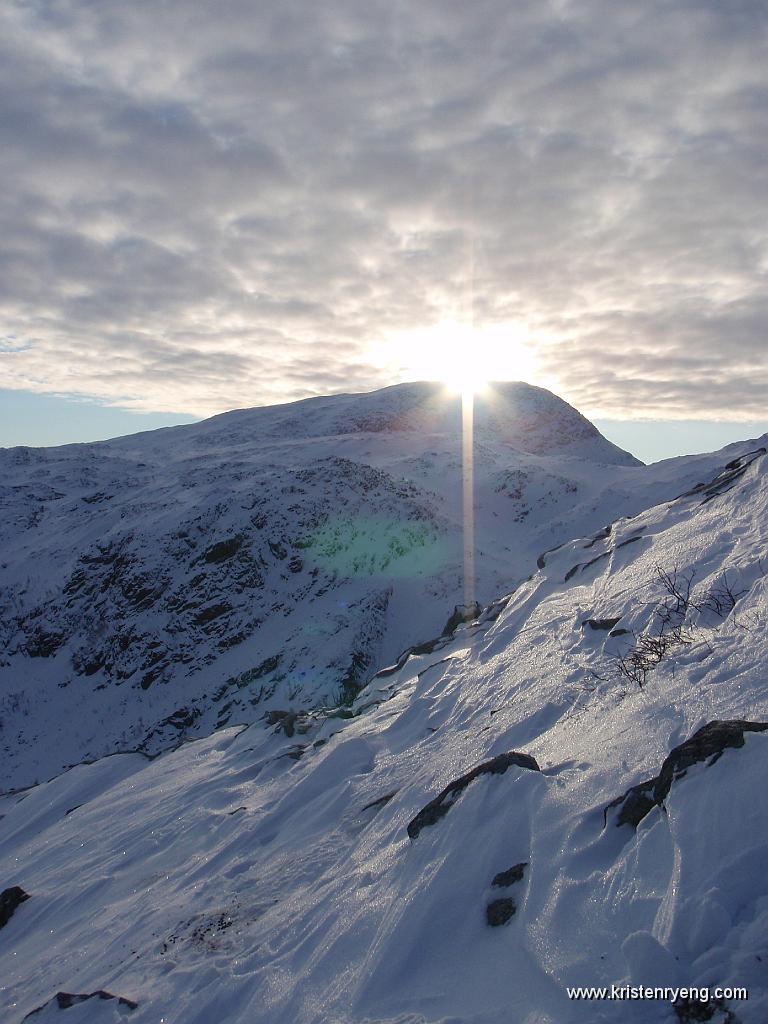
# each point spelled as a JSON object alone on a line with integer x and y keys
{"x": 64, "y": 1000}
{"x": 500, "y": 911}
{"x": 443, "y": 802}
{"x": 707, "y": 744}
{"x": 9, "y": 901}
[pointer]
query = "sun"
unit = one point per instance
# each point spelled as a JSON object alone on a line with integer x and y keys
{"x": 464, "y": 358}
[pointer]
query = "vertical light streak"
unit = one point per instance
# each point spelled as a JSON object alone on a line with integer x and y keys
{"x": 468, "y": 412}
{"x": 468, "y": 491}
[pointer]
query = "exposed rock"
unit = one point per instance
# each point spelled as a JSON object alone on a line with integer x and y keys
{"x": 541, "y": 561}
{"x": 600, "y": 535}
{"x": 461, "y": 613}
{"x": 43, "y": 643}
{"x": 284, "y": 721}
{"x": 343, "y": 713}
{"x": 223, "y": 550}
{"x": 352, "y": 682}
{"x": 252, "y": 674}
{"x": 689, "y": 1010}
{"x": 150, "y": 677}
{"x": 585, "y": 565}
{"x": 428, "y": 647}
{"x": 500, "y": 911}
{"x": 510, "y": 876}
{"x": 182, "y": 718}
{"x": 630, "y": 540}
{"x": 437, "y": 808}
{"x": 295, "y": 753}
{"x": 212, "y": 612}
{"x": 380, "y": 801}
{"x": 725, "y": 480}
{"x": 278, "y": 550}
{"x": 709, "y": 742}
{"x": 213, "y": 539}
{"x": 9, "y": 901}
{"x": 290, "y": 722}
{"x": 64, "y": 1000}
{"x": 598, "y": 558}
{"x": 203, "y": 931}
{"x": 634, "y": 804}
{"x": 604, "y": 624}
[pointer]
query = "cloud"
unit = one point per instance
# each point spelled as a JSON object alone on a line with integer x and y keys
{"x": 210, "y": 206}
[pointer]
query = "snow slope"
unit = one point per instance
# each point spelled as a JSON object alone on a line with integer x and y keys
{"x": 166, "y": 584}
{"x": 259, "y": 876}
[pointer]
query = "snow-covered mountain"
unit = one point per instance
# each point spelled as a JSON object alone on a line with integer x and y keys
{"x": 568, "y": 791}
{"x": 168, "y": 583}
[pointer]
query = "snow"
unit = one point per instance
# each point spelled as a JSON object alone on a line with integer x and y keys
{"x": 162, "y": 585}
{"x": 254, "y": 876}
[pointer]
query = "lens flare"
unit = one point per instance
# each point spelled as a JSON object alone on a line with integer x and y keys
{"x": 466, "y": 358}
{"x": 463, "y": 357}
{"x": 468, "y": 491}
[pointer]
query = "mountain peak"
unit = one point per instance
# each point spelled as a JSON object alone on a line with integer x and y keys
{"x": 522, "y": 416}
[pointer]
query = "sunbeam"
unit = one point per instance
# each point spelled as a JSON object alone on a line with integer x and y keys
{"x": 468, "y": 490}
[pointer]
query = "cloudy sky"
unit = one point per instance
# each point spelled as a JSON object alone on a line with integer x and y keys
{"x": 215, "y": 205}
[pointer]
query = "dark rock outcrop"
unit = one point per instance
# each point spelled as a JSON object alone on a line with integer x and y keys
{"x": 689, "y": 1010}
{"x": 726, "y": 479}
{"x": 629, "y": 540}
{"x": 10, "y": 899}
{"x": 43, "y": 643}
{"x": 510, "y": 876}
{"x": 289, "y": 722}
{"x": 634, "y": 804}
{"x": 283, "y": 721}
{"x": 223, "y": 550}
{"x": 707, "y": 744}
{"x": 380, "y": 801}
{"x": 461, "y": 613}
{"x": 500, "y": 911}
{"x": 437, "y": 808}
{"x": 604, "y": 624}
{"x": 64, "y": 1000}
{"x": 600, "y": 535}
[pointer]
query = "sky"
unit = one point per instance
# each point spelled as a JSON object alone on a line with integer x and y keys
{"x": 212, "y": 206}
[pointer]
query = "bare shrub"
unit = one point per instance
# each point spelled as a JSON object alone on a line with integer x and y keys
{"x": 674, "y": 620}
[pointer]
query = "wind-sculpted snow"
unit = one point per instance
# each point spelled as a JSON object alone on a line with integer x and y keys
{"x": 264, "y": 874}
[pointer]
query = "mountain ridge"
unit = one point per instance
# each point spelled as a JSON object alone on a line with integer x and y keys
{"x": 150, "y": 560}
{"x": 155, "y": 589}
